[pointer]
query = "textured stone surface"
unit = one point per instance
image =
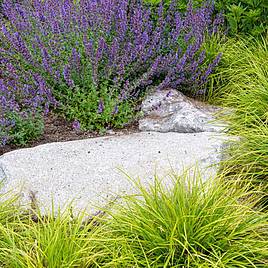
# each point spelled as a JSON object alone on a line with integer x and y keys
{"x": 171, "y": 111}
{"x": 87, "y": 171}
{"x": 2, "y": 174}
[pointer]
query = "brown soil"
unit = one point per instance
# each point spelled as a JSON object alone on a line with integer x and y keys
{"x": 57, "y": 129}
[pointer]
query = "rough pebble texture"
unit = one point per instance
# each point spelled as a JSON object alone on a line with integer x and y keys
{"x": 88, "y": 171}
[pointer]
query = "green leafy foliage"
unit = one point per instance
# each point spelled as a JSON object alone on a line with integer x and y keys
{"x": 243, "y": 17}
{"x": 249, "y": 17}
{"x": 95, "y": 109}
{"x": 181, "y": 5}
{"x": 24, "y": 129}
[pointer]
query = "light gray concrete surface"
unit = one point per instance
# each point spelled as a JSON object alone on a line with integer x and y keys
{"x": 88, "y": 171}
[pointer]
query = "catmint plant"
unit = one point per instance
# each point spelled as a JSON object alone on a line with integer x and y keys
{"x": 92, "y": 60}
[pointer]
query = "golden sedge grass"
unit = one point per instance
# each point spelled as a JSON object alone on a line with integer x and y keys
{"x": 241, "y": 83}
{"x": 191, "y": 224}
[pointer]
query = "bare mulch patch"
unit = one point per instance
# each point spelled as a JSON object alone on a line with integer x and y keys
{"x": 57, "y": 129}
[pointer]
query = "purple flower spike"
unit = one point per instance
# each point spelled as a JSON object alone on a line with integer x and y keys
{"x": 115, "y": 111}
{"x": 100, "y": 106}
{"x": 118, "y": 45}
{"x": 76, "y": 125}
{"x": 67, "y": 76}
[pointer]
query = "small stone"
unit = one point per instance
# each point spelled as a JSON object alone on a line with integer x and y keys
{"x": 110, "y": 132}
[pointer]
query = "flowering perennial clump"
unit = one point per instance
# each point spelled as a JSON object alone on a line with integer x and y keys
{"x": 92, "y": 59}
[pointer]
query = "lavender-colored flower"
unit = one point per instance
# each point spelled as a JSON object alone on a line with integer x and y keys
{"x": 218, "y": 22}
{"x": 67, "y": 76}
{"x": 76, "y": 125}
{"x": 100, "y": 50}
{"x": 89, "y": 48}
{"x": 4, "y": 140}
{"x": 46, "y": 61}
{"x": 76, "y": 59}
{"x": 116, "y": 43}
{"x": 116, "y": 110}
{"x": 100, "y": 106}
{"x": 210, "y": 69}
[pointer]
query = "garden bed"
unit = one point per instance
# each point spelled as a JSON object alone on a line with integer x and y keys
{"x": 92, "y": 61}
{"x": 58, "y": 129}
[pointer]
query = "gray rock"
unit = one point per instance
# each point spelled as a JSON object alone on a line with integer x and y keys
{"x": 2, "y": 174}
{"x": 89, "y": 172}
{"x": 171, "y": 111}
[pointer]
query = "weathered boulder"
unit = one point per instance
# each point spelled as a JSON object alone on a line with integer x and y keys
{"x": 170, "y": 111}
{"x": 87, "y": 171}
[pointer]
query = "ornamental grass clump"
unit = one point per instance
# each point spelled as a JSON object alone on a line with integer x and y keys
{"x": 97, "y": 58}
{"x": 241, "y": 84}
{"x": 191, "y": 224}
